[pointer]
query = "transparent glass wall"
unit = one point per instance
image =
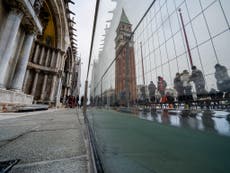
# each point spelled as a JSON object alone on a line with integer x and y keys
{"x": 160, "y": 42}
{"x": 163, "y": 41}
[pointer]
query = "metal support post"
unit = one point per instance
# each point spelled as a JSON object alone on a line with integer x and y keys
{"x": 142, "y": 62}
{"x": 186, "y": 38}
{"x": 85, "y": 98}
{"x": 101, "y": 94}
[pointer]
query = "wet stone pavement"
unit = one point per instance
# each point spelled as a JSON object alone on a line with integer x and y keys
{"x": 44, "y": 142}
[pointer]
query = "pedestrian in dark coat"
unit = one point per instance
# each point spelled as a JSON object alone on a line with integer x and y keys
{"x": 187, "y": 87}
{"x": 77, "y": 100}
{"x": 82, "y": 101}
{"x": 178, "y": 85}
{"x": 198, "y": 78}
{"x": 152, "y": 90}
{"x": 222, "y": 78}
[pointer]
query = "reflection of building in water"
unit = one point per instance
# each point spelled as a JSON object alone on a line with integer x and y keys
{"x": 207, "y": 121}
{"x": 108, "y": 97}
{"x": 37, "y": 51}
{"x": 125, "y": 73}
{"x": 191, "y": 122}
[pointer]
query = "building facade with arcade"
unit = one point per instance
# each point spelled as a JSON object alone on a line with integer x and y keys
{"x": 37, "y": 51}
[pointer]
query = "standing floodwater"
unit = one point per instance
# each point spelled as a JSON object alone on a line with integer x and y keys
{"x": 211, "y": 121}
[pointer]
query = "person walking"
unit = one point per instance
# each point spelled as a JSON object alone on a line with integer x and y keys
{"x": 178, "y": 85}
{"x": 77, "y": 101}
{"x": 222, "y": 78}
{"x": 187, "y": 87}
{"x": 198, "y": 78}
{"x": 152, "y": 90}
{"x": 82, "y": 101}
{"x": 161, "y": 85}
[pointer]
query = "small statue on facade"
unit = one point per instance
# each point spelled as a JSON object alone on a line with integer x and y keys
{"x": 37, "y": 6}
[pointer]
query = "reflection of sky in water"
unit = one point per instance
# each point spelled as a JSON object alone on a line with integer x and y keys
{"x": 222, "y": 126}
{"x": 175, "y": 120}
{"x": 217, "y": 124}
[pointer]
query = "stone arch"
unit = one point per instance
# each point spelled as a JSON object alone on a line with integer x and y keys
{"x": 56, "y": 14}
{"x": 65, "y": 31}
{"x": 58, "y": 10}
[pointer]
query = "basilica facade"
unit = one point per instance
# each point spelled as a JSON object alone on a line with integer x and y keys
{"x": 37, "y": 52}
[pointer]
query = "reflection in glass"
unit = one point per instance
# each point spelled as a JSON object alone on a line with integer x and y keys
{"x": 164, "y": 49}
{"x": 208, "y": 122}
{"x": 200, "y": 29}
{"x": 214, "y": 14}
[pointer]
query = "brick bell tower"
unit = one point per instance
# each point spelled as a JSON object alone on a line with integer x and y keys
{"x": 125, "y": 72}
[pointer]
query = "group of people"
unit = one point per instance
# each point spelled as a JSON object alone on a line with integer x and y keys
{"x": 71, "y": 101}
{"x": 183, "y": 84}
{"x": 161, "y": 87}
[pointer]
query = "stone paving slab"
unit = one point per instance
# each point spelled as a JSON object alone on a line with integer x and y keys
{"x": 45, "y": 145}
{"x": 45, "y": 142}
{"x": 71, "y": 165}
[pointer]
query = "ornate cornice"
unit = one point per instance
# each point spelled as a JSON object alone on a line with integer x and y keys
{"x": 26, "y": 8}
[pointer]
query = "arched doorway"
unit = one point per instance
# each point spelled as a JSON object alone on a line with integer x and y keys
{"x": 46, "y": 60}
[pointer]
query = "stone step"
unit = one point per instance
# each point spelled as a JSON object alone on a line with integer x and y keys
{"x": 32, "y": 107}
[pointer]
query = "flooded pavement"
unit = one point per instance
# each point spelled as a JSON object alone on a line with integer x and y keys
{"x": 127, "y": 144}
{"x": 211, "y": 121}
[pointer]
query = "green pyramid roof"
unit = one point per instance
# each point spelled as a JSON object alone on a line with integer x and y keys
{"x": 124, "y": 18}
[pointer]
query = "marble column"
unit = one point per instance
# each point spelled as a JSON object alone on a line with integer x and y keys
{"x": 35, "y": 83}
{"x": 37, "y": 49}
{"x": 21, "y": 66}
{"x": 42, "y": 55}
{"x": 47, "y": 57}
{"x": 43, "y": 94}
{"x": 65, "y": 93}
{"x": 58, "y": 61}
{"x": 53, "y": 88}
{"x": 8, "y": 36}
{"x": 59, "y": 91}
{"x": 53, "y": 58}
{"x": 25, "y": 80}
{"x": 70, "y": 79}
{"x": 67, "y": 79}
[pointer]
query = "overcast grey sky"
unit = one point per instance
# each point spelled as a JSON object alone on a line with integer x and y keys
{"x": 135, "y": 9}
{"x": 84, "y": 18}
